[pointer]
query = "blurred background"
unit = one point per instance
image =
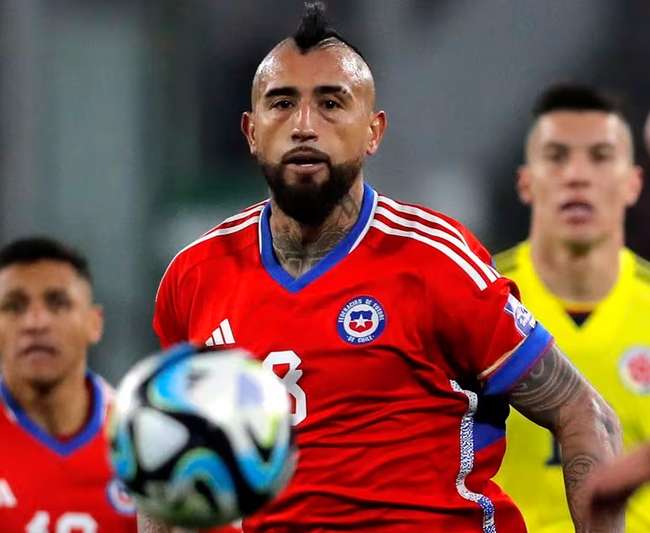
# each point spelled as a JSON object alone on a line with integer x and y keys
{"x": 119, "y": 121}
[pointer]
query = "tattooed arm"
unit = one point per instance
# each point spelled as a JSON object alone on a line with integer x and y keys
{"x": 556, "y": 396}
{"x": 617, "y": 481}
{"x": 147, "y": 524}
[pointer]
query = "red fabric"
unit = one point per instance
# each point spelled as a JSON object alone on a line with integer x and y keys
{"x": 379, "y": 444}
{"x": 51, "y": 490}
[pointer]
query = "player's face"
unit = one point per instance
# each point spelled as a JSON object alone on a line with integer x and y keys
{"x": 47, "y": 322}
{"x": 311, "y": 127}
{"x": 579, "y": 178}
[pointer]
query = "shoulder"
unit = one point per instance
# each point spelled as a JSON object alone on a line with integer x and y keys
{"x": 398, "y": 215}
{"x": 641, "y": 269}
{"x": 8, "y": 405}
{"x": 509, "y": 260}
{"x": 638, "y": 277}
{"x": 104, "y": 390}
{"x": 433, "y": 237}
{"x": 6, "y": 414}
{"x": 103, "y": 398}
{"x": 220, "y": 242}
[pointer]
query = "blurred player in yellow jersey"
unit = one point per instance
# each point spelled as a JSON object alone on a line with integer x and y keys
{"x": 619, "y": 479}
{"x": 577, "y": 277}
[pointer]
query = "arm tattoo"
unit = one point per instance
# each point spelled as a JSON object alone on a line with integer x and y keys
{"x": 147, "y": 524}
{"x": 577, "y": 470}
{"x": 550, "y": 384}
{"x": 556, "y": 396}
{"x": 298, "y": 257}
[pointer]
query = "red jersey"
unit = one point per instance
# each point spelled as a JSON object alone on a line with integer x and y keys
{"x": 60, "y": 486}
{"x": 397, "y": 350}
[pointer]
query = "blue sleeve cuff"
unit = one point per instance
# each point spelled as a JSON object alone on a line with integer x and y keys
{"x": 520, "y": 362}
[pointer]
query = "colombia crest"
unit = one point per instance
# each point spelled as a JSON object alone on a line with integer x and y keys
{"x": 361, "y": 320}
{"x": 634, "y": 367}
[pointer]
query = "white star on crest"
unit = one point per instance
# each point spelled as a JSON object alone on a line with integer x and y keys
{"x": 361, "y": 322}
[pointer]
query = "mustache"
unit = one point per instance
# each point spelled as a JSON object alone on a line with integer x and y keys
{"x": 304, "y": 152}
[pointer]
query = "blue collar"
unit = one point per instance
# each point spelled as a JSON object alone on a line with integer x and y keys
{"x": 83, "y": 437}
{"x": 335, "y": 256}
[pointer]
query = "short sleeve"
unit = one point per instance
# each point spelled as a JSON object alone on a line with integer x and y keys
{"x": 165, "y": 322}
{"x": 486, "y": 330}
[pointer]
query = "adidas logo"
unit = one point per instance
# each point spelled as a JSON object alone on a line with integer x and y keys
{"x": 222, "y": 335}
{"x": 7, "y": 498}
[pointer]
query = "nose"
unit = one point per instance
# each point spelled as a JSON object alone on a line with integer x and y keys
{"x": 36, "y": 319}
{"x": 576, "y": 172}
{"x": 303, "y": 128}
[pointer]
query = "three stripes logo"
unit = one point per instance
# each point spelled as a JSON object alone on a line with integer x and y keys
{"x": 222, "y": 335}
{"x": 7, "y": 498}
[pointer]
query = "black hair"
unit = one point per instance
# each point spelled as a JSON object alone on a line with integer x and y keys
{"x": 575, "y": 97}
{"x": 32, "y": 249}
{"x": 315, "y": 29}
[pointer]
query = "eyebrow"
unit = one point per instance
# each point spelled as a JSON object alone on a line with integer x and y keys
{"x": 603, "y": 144}
{"x": 15, "y": 293}
{"x": 331, "y": 89}
{"x": 281, "y": 91}
{"x": 320, "y": 90}
{"x": 19, "y": 292}
{"x": 560, "y": 144}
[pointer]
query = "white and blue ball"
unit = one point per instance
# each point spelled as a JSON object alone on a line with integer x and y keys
{"x": 202, "y": 439}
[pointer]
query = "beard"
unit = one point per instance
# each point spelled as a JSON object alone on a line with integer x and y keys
{"x": 311, "y": 203}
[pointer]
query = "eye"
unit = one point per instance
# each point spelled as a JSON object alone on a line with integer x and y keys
{"x": 331, "y": 104}
{"x": 282, "y": 104}
{"x": 13, "y": 306}
{"x": 58, "y": 301}
{"x": 555, "y": 155}
{"x": 600, "y": 156}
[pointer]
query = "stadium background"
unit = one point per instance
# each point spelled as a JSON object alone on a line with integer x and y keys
{"x": 119, "y": 121}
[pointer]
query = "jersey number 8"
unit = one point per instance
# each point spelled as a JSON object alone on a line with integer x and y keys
{"x": 285, "y": 365}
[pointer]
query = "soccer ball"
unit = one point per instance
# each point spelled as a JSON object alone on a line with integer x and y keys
{"x": 201, "y": 439}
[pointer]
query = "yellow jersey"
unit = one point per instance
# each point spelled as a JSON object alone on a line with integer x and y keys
{"x": 612, "y": 350}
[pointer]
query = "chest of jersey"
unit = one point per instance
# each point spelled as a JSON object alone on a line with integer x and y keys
{"x": 42, "y": 491}
{"x": 372, "y": 344}
{"x": 346, "y": 344}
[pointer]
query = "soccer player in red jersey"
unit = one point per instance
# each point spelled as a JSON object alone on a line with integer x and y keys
{"x": 399, "y": 344}
{"x": 55, "y": 475}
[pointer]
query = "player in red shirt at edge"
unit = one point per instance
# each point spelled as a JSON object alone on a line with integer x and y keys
{"x": 55, "y": 475}
{"x": 400, "y": 345}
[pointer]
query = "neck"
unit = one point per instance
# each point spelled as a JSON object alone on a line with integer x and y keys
{"x": 60, "y": 410}
{"x": 586, "y": 275}
{"x": 299, "y": 247}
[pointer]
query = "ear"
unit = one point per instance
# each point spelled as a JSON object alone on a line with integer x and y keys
{"x": 523, "y": 186}
{"x": 634, "y": 186}
{"x": 376, "y": 132}
{"x": 95, "y": 324}
{"x": 248, "y": 129}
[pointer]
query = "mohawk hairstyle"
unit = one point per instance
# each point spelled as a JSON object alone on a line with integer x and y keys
{"x": 32, "y": 249}
{"x": 574, "y": 97}
{"x": 314, "y": 29}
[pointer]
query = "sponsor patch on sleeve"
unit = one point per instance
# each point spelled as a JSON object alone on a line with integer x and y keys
{"x": 523, "y": 319}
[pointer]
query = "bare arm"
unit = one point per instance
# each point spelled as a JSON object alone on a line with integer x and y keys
{"x": 615, "y": 482}
{"x": 556, "y": 396}
{"x": 146, "y": 524}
